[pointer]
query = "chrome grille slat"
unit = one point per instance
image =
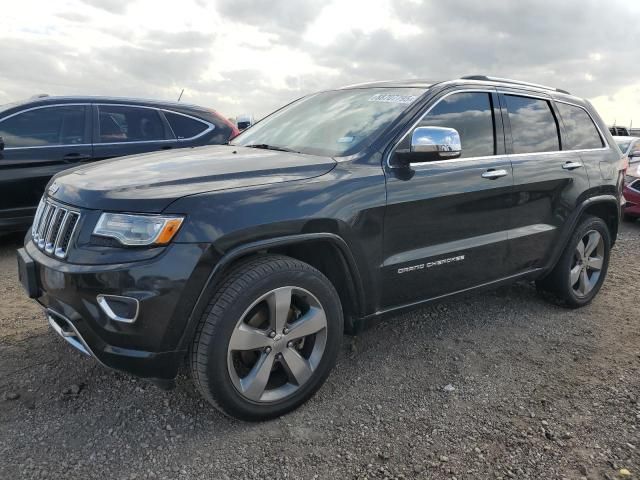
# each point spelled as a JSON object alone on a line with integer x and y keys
{"x": 54, "y": 228}
{"x": 44, "y": 227}
{"x": 50, "y": 226}
{"x": 36, "y": 220}
{"x": 54, "y": 231}
{"x": 38, "y": 234}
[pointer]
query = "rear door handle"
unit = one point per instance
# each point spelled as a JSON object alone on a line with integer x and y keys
{"x": 571, "y": 165}
{"x": 76, "y": 157}
{"x": 493, "y": 174}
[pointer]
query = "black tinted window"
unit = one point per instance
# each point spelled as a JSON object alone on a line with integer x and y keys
{"x": 129, "y": 124}
{"x": 63, "y": 125}
{"x": 471, "y": 115}
{"x": 533, "y": 126}
{"x": 185, "y": 127}
{"x": 581, "y": 132}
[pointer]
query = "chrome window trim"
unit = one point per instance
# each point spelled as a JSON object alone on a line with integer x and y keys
{"x": 39, "y": 107}
{"x": 500, "y": 156}
{"x": 210, "y": 126}
{"x": 602, "y": 137}
{"x": 50, "y": 146}
{"x": 488, "y": 90}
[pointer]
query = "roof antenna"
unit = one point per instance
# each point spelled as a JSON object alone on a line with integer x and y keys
{"x": 181, "y": 94}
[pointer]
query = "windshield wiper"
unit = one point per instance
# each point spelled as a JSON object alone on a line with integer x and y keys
{"x": 264, "y": 146}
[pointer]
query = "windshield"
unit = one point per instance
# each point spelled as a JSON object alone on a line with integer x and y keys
{"x": 334, "y": 123}
{"x": 624, "y": 145}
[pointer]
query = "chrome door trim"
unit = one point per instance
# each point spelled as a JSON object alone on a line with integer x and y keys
{"x": 571, "y": 165}
{"x": 494, "y": 174}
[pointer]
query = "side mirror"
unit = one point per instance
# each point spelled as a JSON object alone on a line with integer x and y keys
{"x": 434, "y": 143}
{"x": 1, "y": 144}
{"x": 634, "y": 154}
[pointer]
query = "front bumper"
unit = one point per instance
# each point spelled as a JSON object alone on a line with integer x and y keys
{"x": 166, "y": 288}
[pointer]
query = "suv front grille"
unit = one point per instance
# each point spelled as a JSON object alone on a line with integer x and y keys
{"x": 53, "y": 228}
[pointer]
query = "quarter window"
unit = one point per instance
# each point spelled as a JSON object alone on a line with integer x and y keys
{"x": 471, "y": 114}
{"x": 129, "y": 124}
{"x": 41, "y": 127}
{"x": 185, "y": 127}
{"x": 533, "y": 125}
{"x": 581, "y": 132}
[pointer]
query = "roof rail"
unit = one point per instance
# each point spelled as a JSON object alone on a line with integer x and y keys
{"x": 515, "y": 82}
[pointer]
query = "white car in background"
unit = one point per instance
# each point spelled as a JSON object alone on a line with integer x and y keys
{"x": 630, "y": 147}
{"x": 244, "y": 121}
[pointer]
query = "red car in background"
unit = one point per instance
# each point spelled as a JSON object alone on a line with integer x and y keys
{"x": 630, "y": 147}
{"x": 632, "y": 193}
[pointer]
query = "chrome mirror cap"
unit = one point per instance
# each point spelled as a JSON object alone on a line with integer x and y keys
{"x": 440, "y": 141}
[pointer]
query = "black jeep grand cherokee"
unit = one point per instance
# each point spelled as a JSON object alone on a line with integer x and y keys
{"x": 251, "y": 259}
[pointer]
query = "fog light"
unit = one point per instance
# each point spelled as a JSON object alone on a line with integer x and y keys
{"x": 118, "y": 308}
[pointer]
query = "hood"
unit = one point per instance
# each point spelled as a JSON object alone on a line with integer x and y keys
{"x": 150, "y": 182}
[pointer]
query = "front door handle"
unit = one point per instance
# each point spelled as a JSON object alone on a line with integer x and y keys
{"x": 493, "y": 174}
{"x": 571, "y": 165}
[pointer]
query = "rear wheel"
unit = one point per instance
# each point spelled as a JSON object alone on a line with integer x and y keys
{"x": 581, "y": 270}
{"x": 268, "y": 339}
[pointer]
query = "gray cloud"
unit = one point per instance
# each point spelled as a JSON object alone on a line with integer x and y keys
{"x": 544, "y": 41}
{"x": 283, "y": 17}
{"x": 112, "y": 6}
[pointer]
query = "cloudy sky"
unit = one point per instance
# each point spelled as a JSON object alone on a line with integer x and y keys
{"x": 250, "y": 56}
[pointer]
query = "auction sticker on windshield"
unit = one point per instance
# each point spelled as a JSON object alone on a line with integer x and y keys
{"x": 390, "y": 98}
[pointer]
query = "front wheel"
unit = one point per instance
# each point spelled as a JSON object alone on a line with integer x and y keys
{"x": 269, "y": 338}
{"x": 582, "y": 268}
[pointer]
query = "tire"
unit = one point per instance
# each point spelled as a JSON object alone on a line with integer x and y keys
{"x": 591, "y": 262}
{"x": 251, "y": 330}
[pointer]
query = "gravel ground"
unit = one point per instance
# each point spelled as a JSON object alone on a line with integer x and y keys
{"x": 496, "y": 385}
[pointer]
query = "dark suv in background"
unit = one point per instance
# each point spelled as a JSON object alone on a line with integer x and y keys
{"x": 42, "y": 136}
{"x": 250, "y": 259}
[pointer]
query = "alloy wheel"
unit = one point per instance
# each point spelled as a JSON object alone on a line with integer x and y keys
{"x": 277, "y": 344}
{"x": 587, "y": 263}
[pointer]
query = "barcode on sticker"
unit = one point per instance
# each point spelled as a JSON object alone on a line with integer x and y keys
{"x": 390, "y": 98}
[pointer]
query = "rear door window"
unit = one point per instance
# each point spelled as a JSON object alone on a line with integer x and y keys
{"x": 118, "y": 124}
{"x": 47, "y": 126}
{"x": 581, "y": 131}
{"x": 185, "y": 127}
{"x": 533, "y": 125}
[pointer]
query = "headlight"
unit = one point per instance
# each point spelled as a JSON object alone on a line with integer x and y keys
{"x": 136, "y": 230}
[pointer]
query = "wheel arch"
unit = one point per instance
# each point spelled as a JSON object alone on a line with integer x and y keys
{"x": 607, "y": 210}
{"x": 606, "y": 207}
{"x": 327, "y": 252}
